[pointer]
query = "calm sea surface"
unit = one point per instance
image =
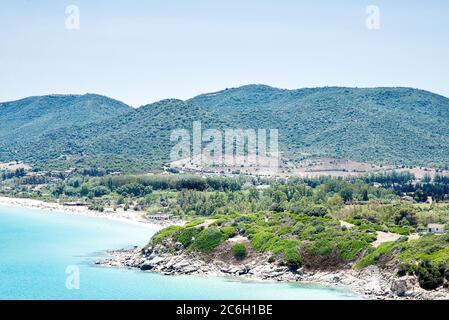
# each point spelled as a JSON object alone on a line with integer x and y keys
{"x": 37, "y": 248}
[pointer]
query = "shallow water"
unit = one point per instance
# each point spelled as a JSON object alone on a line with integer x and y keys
{"x": 37, "y": 247}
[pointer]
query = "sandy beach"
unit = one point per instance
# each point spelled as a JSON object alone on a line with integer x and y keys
{"x": 118, "y": 215}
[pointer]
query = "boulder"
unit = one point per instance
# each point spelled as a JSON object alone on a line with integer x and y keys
{"x": 244, "y": 270}
{"x": 179, "y": 246}
{"x": 157, "y": 260}
{"x": 403, "y": 287}
{"x": 146, "y": 267}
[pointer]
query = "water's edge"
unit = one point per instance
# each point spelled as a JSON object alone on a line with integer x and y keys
{"x": 39, "y": 246}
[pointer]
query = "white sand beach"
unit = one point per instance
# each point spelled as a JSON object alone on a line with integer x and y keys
{"x": 134, "y": 217}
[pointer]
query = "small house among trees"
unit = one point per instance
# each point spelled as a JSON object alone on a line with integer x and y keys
{"x": 435, "y": 228}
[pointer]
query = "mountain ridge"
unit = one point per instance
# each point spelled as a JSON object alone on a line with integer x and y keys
{"x": 376, "y": 125}
{"x": 221, "y": 91}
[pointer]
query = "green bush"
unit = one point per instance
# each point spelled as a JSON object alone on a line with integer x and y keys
{"x": 239, "y": 251}
{"x": 186, "y": 235}
{"x": 228, "y": 232}
{"x": 208, "y": 239}
{"x": 403, "y": 231}
{"x": 350, "y": 248}
{"x": 165, "y": 233}
{"x": 263, "y": 241}
{"x": 430, "y": 277}
{"x": 374, "y": 256}
{"x": 96, "y": 208}
{"x": 317, "y": 211}
{"x": 292, "y": 258}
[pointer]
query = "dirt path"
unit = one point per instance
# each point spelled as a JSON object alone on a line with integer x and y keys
{"x": 389, "y": 237}
{"x": 382, "y": 236}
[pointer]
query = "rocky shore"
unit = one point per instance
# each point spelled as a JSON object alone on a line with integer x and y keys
{"x": 371, "y": 282}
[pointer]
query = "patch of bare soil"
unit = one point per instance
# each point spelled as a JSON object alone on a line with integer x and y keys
{"x": 294, "y": 164}
{"x": 385, "y": 260}
{"x": 329, "y": 262}
{"x": 223, "y": 253}
{"x": 12, "y": 166}
{"x": 385, "y": 237}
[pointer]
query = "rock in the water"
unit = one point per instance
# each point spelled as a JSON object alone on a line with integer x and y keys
{"x": 146, "y": 267}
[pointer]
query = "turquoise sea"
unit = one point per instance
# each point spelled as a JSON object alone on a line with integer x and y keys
{"x": 37, "y": 247}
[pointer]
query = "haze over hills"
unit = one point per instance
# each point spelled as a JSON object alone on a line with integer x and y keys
{"x": 380, "y": 125}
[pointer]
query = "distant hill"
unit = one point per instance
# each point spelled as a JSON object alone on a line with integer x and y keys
{"x": 40, "y": 115}
{"x": 136, "y": 140}
{"x": 380, "y": 125}
{"x": 27, "y": 121}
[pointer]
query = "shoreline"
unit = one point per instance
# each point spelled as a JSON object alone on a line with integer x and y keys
{"x": 130, "y": 217}
{"x": 369, "y": 283}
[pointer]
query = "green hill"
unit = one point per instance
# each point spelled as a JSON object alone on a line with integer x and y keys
{"x": 39, "y": 115}
{"x": 26, "y": 123}
{"x": 379, "y": 125}
{"x": 136, "y": 140}
{"x": 387, "y": 125}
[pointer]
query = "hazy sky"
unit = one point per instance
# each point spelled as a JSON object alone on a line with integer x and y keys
{"x": 143, "y": 51}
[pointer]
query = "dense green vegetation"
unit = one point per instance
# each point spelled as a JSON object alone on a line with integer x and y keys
{"x": 427, "y": 258}
{"x": 282, "y": 235}
{"x": 319, "y": 223}
{"x": 27, "y": 122}
{"x": 383, "y": 125}
{"x": 92, "y": 149}
{"x": 390, "y": 125}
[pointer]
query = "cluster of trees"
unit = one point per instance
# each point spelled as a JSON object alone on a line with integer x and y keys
{"x": 390, "y": 178}
{"x": 193, "y": 194}
{"x": 294, "y": 195}
{"x": 141, "y": 186}
{"x": 175, "y": 182}
{"x": 437, "y": 188}
{"x": 8, "y": 174}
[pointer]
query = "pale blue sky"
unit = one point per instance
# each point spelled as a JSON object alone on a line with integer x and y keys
{"x": 143, "y": 51}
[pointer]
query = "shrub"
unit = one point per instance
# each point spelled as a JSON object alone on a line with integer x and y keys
{"x": 292, "y": 258}
{"x": 195, "y": 222}
{"x": 405, "y": 217}
{"x": 263, "y": 241}
{"x": 185, "y": 236}
{"x": 207, "y": 240}
{"x": 317, "y": 211}
{"x": 374, "y": 256}
{"x": 429, "y": 276}
{"x": 350, "y": 248}
{"x": 405, "y": 269}
{"x": 289, "y": 251}
{"x": 96, "y": 208}
{"x": 239, "y": 251}
{"x": 228, "y": 232}
{"x": 134, "y": 189}
{"x": 165, "y": 233}
{"x": 403, "y": 231}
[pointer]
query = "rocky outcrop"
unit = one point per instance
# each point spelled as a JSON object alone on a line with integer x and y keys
{"x": 404, "y": 286}
{"x": 371, "y": 282}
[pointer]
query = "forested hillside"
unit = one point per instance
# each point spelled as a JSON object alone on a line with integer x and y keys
{"x": 381, "y": 125}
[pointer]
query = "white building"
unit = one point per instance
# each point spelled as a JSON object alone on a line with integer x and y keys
{"x": 435, "y": 228}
